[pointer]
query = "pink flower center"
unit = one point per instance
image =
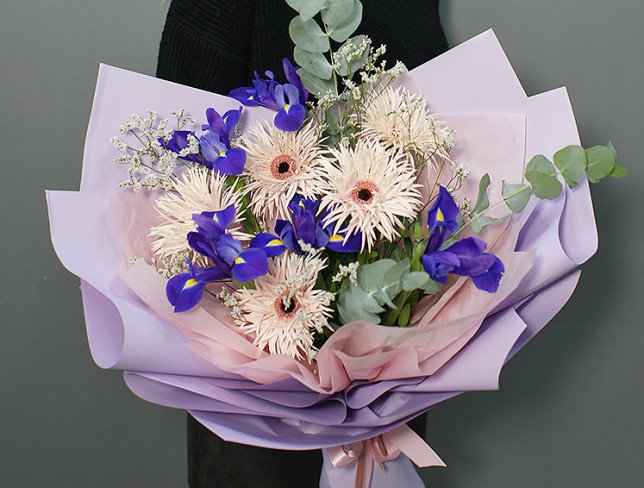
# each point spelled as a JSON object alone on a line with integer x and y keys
{"x": 363, "y": 192}
{"x": 283, "y": 167}
{"x": 288, "y": 310}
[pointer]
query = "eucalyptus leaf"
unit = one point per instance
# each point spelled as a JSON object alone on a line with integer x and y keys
{"x": 482, "y": 201}
{"x": 618, "y": 172}
{"x": 415, "y": 280}
{"x": 307, "y": 35}
{"x": 314, "y": 63}
{"x": 601, "y": 161}
{"x": 316, "y": 85}
{"x": 516, "y": 196}
{"x": 571, "y": 162}
{"x": 337, "y": 11}
{"x": 541, "y": 174}
{"x": 343, "y": 30}
{"x": 432, "y": 286}
{"x": 307, "y": 8}
{"x": 480, "y": 222}
{"x": 356, "y": 304}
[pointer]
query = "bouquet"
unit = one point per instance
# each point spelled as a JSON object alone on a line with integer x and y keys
{"x": 321, "y": 256}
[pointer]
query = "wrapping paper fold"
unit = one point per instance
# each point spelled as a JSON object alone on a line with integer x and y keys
{"x": 371, "y": 379}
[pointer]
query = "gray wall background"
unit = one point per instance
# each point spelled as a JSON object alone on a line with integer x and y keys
{"x": 569, "y": 413}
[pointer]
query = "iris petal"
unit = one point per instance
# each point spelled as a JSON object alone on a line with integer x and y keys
{"x": 271, "y": 244}
{"x": 292, "y": 119}
{"x": 251, "y": 264}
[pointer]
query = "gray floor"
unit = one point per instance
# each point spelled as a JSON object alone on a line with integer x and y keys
{"x": 569, "y": 412}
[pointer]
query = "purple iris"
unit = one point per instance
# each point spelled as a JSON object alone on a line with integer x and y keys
{"x": 287, "y": 99}
{"x": 306, "y": 227}
{"x": 215, "y": 144}
{"x": 184, "y": 291}
{"x": 216, "y": 151}
{"x": 227, "y": 254}
{"x": 178, "y": 142}
{"x": 444, "y": 213}
{"x": 463, "y": 258}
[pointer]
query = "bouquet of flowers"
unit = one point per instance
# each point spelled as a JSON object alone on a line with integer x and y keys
{"x": 327, "y": 253}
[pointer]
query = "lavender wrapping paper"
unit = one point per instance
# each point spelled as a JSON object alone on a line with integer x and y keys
{"x": 473, "y": 78}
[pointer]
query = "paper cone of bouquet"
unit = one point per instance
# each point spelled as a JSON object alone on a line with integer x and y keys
{"x": 367, "y": 380}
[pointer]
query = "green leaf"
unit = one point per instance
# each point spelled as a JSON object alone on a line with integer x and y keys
{"x": 618, "y": 172}
{"x": 356, "y": 304}
{"x": 316, "y": 85}
{"x": 372, "y": 279}
{"x": 308, "y": 36}
{"x": 601, "y": 161}
{"x": 346, "y": 68}
{"x": 415, "y": 280}
{"x": 343, "y": 30}
{"x": 482, "y": 201}
{"x": 403, "y": 318}
{"x": 541, "y": 174}
{"x": 307, "y": 8}
{"x": 337, "y": 11}
{"x": 571, "y": 162}
{"x": 480, "y": 222}
{"x": 314, "y": 63}
{"x": 433, "y": 286}
{"x": 516, "y": 196}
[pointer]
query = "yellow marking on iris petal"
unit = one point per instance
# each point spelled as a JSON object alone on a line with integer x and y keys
{"x": 239, "y": 260}
{"x": 439, "y": 216}
{"x": 222, "y": 154}
{"x": 215, "y": 218}
{"x": 274, "y": 242}
{"x": 302, "y": 204}
{"x": 287, "y": 107}
{"x": 191, "y": 282}
{"x": 336, "y": 238}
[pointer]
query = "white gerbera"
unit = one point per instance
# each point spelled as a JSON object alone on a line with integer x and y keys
{"x": 400, "y": 120}
{"x": 285, "y": 309}
{"x": 370, "y": 190}
{"x": 279, "y": 165}
{"x": 197, "y": 190}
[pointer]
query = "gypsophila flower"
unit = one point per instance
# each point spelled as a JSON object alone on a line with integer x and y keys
{"x": 150, "y": 165}
{"x": 285, "y": 310}
{"x": 350, "y": 270}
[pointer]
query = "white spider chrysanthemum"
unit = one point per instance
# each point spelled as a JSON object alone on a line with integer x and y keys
{"x": 400, "y": 120}
{"x": 197, "y": 190}
{"x": 370, "y": 190}
{"x": 279, "y": 165}
{"x": 285, "y": 310}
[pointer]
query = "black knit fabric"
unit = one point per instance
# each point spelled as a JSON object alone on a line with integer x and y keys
{"x": 216, "y": 45}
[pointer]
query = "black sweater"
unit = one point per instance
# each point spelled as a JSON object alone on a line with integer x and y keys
{"x": 216, "y": 45}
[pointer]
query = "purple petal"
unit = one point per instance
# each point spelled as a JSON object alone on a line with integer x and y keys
{"x": 250, "y": 264}
{"x": 229, "y": 249}
{"x": 490, "y": 279}
{"x": 271, "y": 244}
{"x": 291, "y": 118}
{"x": 232, "y": 163}
{"x": 245, "y": 95}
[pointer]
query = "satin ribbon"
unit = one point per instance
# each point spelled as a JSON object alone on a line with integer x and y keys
{"x": 383, "y": 448}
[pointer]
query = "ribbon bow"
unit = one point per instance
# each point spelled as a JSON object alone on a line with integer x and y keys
{"x": 383, "y": 448}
